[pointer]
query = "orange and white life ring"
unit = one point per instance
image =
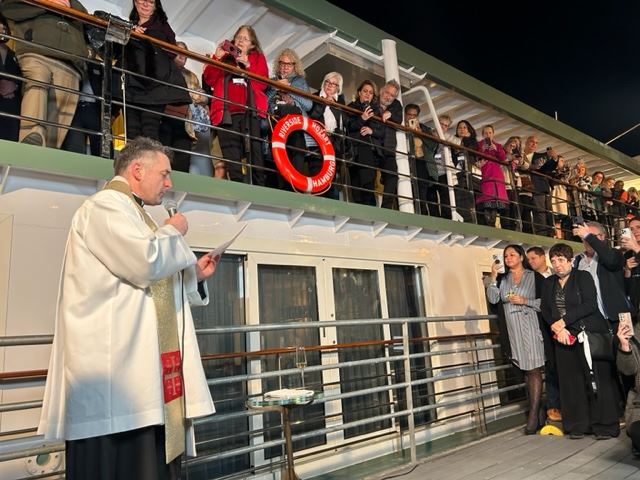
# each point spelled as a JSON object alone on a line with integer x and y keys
{"x": 322, "y": 180}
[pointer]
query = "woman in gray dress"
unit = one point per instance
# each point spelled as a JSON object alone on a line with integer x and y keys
{"x": 516, "y": 291}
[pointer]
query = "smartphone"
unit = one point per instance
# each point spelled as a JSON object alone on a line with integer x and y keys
{"x": 515, "y": 152}
{"x": 572, "y": 338}
{"x": 412, "y": 123}
{"x": 365, "y": 105}
{"x": 625, "y": 232}
{"x": 578, "y": 220}
{"x": 498, "y": 261}
{"x": 487, "y": 142}
{"x": 625, "y": 319}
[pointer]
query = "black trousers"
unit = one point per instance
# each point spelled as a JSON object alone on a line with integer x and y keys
{"x": 363, "y": 175}
{"x": 87, "y": 116}
{"x": 133, "y": 455}
{"x": 9, "y": 127}
{"x": 173, "y": 134}
{"x": 389, "y": 180}
{"x": 144, "y": 124}
{"x": 235, "y": 145}
{"x": 582, "y": 411}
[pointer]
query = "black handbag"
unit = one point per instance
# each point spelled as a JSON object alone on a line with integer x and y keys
{"x": 601, "y": 345}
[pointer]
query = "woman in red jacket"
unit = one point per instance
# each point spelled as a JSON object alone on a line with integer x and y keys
{"x": 239, "y": 103}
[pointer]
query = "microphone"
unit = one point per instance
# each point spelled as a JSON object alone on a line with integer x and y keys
{"x": 171, "y": 207}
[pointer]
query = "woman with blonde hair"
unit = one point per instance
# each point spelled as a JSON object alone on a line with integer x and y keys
{"x": 289, "y": 72}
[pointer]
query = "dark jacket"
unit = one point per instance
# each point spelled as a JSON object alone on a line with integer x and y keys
{"x": 317, "y": 113}
{"x": 610, "y": 277}
{"x": 426, "y": 164}
{"x": 580, "y": 300}
{"x": 390, "y": 141}
{"x": 355, "y": 123}
{"x": 544, "y": 165}
{"x": 40, "y": 26}
{"x": 145, "y": 58}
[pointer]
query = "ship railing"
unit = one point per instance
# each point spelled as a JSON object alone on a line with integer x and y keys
{"x": 398, "y": 389}
{"x": 456, "y": 199}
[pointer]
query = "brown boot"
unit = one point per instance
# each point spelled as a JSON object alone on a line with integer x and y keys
{"x": 554, "y": 415}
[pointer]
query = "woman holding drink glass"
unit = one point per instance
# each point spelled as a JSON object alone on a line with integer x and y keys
{"x": 517, "y": 292}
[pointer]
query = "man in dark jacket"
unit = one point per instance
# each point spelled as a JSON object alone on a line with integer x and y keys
{"x": 606, "y": 266}
{"x": 543, "y": 164}
{"x": 39, "y": 26}
{"x": 422, "y": 150}
{"x": 391, "y": 110}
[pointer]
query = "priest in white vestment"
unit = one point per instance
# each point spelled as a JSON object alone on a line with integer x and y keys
{"x": 110, "y": 386}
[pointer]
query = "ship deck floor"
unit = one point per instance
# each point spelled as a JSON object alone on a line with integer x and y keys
{"x": 511, "y": 455}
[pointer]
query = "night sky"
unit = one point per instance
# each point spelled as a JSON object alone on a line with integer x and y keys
{"x": 579, "y": 59}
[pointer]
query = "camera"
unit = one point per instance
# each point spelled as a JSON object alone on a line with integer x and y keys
{"x": 229, "y": 47}
{"x": 515, "y": 152}
{"x": 578, "y": 220}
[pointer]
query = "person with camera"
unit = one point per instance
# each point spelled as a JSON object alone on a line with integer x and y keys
{"x": 239, "y": 104}
{"x": 368, "y": 138}
{"x": 290, "y": 73}
{"x": 423, "y": 152}
{"x": 630, "y": 243}
{"x": 468, "y": 174}
{"x": 518, "y": 292}
{"x": 589, "y": 397}
{"x": 543, "y": 164}
{"x": 493, "y": 194}
{"x": 628, "y": 362}
{"x": 391, "y": 111}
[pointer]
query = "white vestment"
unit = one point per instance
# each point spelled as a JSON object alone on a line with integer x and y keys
{"x": 105, "y": 371}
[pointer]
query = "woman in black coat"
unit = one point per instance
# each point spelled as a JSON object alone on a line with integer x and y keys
{"x": 144, "y": 58}
{"x": 569, "y": 304}
{"x": 368, "y": 138}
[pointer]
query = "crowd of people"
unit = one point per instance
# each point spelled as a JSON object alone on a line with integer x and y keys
{"x": 230, "y": 116}
{"x": 548, "y": 315}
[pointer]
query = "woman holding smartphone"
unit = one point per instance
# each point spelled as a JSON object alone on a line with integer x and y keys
{"x": 569, "y": 305}
{"x": 518, "y": 292}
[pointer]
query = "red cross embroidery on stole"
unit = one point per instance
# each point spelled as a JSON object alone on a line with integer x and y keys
{"x": 171, "y": 375}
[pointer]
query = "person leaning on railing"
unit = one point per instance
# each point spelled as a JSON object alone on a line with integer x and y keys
{"x": 493, "y": 194}
{"x": 368, "y": 137}
{"x": 468, "y": 176}
{"x": 38, "y": 26}
{"x": 334, "y": 121}
{"x": 10, "y": 90}
{"x": 151, "y": 63}
{"x": 280, "y": 103}
{"x": 239, "y": 104}
{"x": 513, "y": 182}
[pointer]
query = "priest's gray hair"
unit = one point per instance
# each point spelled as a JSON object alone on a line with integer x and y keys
{"x": 136, "y": 149}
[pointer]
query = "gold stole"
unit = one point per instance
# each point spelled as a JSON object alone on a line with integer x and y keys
{"x": 172, "y": 380}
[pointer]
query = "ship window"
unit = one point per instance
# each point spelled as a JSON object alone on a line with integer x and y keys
{"x": 288, "y": 294}
{"x": 405, "y": 298}
{"x": 357, "y": 296}
{"x": 226, "y": 308}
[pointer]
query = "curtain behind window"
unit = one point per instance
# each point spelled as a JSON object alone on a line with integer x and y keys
{"x": 356, "y": 294}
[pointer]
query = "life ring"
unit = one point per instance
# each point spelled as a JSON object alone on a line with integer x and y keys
{"x": 322, "y": 180}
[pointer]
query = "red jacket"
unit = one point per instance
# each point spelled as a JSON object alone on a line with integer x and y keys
{"x": 237, "y": 92}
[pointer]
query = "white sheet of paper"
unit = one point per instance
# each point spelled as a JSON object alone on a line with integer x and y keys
{"x": 219, "y": 250}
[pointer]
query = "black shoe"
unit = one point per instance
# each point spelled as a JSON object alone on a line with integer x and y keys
{"x": 576, "y": 436}
{"x": 602, "y": 437}
{"x": 635, "y": 452}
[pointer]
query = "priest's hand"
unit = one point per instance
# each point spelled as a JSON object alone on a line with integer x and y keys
{"x": 179, "y": 222}
{"x": 205, "y": 266}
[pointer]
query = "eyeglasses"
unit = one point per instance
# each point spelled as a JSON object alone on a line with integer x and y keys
{"x": 242, "y": 38}
{"x": 286, "y": 64}
{"x": 331, "y": 84}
